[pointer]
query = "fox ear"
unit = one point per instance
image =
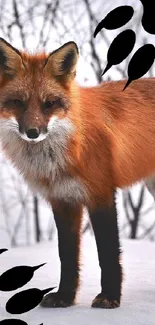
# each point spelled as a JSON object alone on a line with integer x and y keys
{"x": 10, "y": 58}
{"x": 62, "y": 62}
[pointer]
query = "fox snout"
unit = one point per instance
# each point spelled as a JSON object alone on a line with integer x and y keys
{"x": 33, "y": 133}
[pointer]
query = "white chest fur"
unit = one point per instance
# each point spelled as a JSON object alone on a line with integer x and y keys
{"x": 44, "y": 160}
{"x": 67, "y": 189}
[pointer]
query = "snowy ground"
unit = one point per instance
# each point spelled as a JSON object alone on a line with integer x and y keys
{"x": 138, "y": 302}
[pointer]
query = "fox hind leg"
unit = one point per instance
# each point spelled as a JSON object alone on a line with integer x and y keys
{"x": 104, "y": 222}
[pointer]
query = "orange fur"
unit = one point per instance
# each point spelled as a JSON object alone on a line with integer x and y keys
{"x": 116, "y": 135}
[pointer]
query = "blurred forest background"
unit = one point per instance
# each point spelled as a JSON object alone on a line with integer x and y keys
{"x": 36, "y": 25}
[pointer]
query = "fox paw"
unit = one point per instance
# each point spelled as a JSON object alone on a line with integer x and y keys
{"x": 53, "y": 300}
{"x": 101, "y": 301}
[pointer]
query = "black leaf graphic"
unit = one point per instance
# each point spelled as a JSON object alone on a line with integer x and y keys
{"x": 25, "y": 300}
{"x": 148, "y": 16}
{"x": 116, "y": 18}
{"x": 120, "y": 48}
{"x": 16, "y": 277}
{"x": 2, "y": 250}
{"x": 140, "y": 63}
{"x": 13, "y": 321}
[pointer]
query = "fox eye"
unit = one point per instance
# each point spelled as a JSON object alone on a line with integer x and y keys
{"x": 14, "y": 103}
{"x": 48, "y": 104}
{"x": 17, "y": 102}
{"x": 56, "y": 103}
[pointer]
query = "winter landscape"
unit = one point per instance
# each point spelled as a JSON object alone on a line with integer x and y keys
{"x": 27, "y": 227}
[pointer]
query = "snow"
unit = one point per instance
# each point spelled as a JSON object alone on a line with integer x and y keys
{"x": 138, "y": 300}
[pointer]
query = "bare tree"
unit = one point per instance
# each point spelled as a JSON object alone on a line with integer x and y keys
{"x": 14, "y": 203}
{"x": 134, "y": 214}
{"x": 36, "y": 216}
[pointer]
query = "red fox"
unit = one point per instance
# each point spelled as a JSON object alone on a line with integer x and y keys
{"x": 75, "y": 146}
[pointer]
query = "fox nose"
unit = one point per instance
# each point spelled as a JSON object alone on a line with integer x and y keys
{"x": 33, "y": 133}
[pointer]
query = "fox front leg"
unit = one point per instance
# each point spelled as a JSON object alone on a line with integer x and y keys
{"x": 68, "y": 222}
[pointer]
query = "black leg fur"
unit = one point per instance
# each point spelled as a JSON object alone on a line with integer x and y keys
{"x": 68, "y": 222}
{"x": 104, "y": 222}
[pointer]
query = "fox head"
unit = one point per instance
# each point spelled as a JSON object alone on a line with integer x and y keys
{"x": 35, "y": 90}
